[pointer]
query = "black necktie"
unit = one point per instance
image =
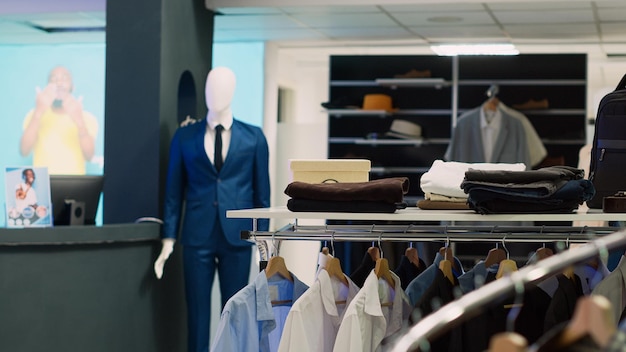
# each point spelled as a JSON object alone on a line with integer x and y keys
{"x": 218, "y": 161}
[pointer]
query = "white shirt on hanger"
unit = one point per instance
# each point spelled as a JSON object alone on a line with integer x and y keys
{"x": 314, "y": 319}
{"x": 366, "y": 322}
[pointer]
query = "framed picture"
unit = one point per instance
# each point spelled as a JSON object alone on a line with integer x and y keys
{"x": 28, "y": 201}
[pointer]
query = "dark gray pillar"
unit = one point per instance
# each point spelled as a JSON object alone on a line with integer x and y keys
{"x": 150, "y": 46}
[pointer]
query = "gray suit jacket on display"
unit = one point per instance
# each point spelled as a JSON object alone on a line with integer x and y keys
{"x": 466, "y": 142}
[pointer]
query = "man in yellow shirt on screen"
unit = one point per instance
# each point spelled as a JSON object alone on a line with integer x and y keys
{"x": 59, "y": 133}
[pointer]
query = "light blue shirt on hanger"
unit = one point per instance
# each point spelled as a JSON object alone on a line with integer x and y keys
{"x": 249, "y": 322}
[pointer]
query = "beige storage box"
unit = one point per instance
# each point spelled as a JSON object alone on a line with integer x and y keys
{"x": 330, "y": 170}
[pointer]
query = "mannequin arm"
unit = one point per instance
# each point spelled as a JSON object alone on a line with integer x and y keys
{"x": 166, "y": 250}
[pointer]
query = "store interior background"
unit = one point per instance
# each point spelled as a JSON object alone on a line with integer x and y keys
{"x": 278, "y": 46}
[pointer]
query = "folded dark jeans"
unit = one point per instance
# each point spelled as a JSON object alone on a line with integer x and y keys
{"x": 581, "y": 190}
{"x": 538, "y": 189}
{"x": 550, "y": 173}
{"x": 499, "y": 206}
{"x": 565, "y": 199}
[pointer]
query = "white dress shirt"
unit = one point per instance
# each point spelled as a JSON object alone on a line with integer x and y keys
{"x": 314, "y": 319}
{"x": 445, "y": 177}
{"x": 368, "y": 320}
{"x": 209, "y": 139}
{"x": 490, "y": 124}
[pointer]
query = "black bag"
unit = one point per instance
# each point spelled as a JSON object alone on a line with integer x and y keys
{"x": 607, "y": 170}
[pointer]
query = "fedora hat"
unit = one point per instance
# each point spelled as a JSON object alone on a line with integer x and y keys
{"x": 377, "y": 102}
{"x": 404, "y": 129}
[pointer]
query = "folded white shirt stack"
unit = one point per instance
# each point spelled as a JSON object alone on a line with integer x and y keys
{"x": 444, "y": 178}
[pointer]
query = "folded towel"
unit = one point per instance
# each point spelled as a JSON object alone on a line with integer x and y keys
{"x": 305, "y": 205}
{"x": 389, "y": 190}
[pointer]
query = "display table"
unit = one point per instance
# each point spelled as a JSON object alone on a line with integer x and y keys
{"x": 89, "y": 288}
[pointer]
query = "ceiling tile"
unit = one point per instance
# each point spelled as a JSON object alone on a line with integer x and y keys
{"x": 248, "y": 10}
{"x": 537, "y": 6}
{"x": 544, "y": 16}
{"x": 255, "y": 22}
{"x": 464, "y": 33}
{"x": 266, "y": 34}
{"x": 369, "y": 32}
{"x": 345, "y": 20}
{"x": 338, "y": 9}
{"x": 433, "y": 7}
{"x": 582, "y": 31}
{"x": 443, "y": 18}
{"x": 613, "y": 14}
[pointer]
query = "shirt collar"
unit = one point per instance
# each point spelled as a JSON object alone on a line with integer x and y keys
{"x": 328, "y": 293}
{"x": 496, "y": 120}
{"x": 226, "y": 124}
{"x": 263, "y": 304}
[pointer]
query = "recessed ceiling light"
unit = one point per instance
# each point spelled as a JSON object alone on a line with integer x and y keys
{"x": 445, "y": 19}
{"x": 474, "y": 49}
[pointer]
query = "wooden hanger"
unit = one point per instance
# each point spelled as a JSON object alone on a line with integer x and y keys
{"x": 543, "y": 253}
{"x": 491, "y": 104}
{"x": 446, "y": 265}
{"x": 592, "y": 317}
{"x": 333, "y": 267}
{"x": 412, "y": 256}
{"x": 382, "y": 271}
{"x": 507, "y": 266}
{"x": 508, "y": 342}
{"x": 374, "y": 253}
{"x": 276, "y": 265}
{"x": 569, "y": 272}
{"x": 495, "y": 256}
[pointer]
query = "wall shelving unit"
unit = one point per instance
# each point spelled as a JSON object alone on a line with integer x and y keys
{"x": 455, "y": 85}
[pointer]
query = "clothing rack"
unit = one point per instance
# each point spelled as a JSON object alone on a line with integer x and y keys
{"x": 472, "y": 302}
{"x": 454, "y": 233}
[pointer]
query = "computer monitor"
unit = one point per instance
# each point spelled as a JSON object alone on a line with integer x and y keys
{"x": 74, "y": 198}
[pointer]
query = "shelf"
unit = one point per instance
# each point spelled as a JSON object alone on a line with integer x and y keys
{"x": 564, "y": 141}
{"x": 417, "y": 214}
{"x": 356, "y": 112}
{"x": 364, "y": 141}
{"x": 545, "y": 112}
{"x": 398, "y": 170}
{"x": 394, "y": 82}
{"x": 403, "y": 112}
{"x": 523, "y": 82}
{"x": 413, "y": 82}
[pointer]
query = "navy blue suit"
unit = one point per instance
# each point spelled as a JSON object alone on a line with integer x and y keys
{"x": 210, "y": 240}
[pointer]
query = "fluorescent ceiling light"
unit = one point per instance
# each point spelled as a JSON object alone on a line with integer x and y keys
{"x": 474, "y": 49}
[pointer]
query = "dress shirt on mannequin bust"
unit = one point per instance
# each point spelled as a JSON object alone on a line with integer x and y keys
{"x": 211, "y": 242}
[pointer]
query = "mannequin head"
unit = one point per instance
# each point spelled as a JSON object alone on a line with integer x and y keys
{"x": 219, "y": 89}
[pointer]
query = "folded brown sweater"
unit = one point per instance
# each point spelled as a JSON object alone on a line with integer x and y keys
{"x": 389, "y": 190}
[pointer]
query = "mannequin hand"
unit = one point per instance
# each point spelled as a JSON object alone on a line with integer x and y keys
{"x": 166, "y": 250}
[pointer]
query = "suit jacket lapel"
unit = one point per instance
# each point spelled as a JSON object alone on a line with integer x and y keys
{"x": 199, "y": 142}
{"x": 502, "y": 140}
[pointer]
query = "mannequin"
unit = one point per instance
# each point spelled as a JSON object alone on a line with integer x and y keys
{"x": 210, "y": 241}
